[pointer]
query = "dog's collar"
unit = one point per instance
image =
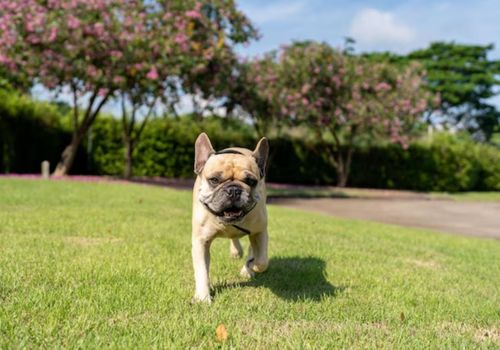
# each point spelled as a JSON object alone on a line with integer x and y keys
{"x": 228, "y": 151}
{"x": 244, "y": 230}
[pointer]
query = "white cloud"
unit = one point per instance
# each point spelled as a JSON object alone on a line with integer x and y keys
{"x": 374, "y": 28}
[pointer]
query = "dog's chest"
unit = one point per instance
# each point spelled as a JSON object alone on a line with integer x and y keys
{"x": 232, "y": 231}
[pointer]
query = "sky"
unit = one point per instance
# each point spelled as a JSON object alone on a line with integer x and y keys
{"x": 378, "y": 25}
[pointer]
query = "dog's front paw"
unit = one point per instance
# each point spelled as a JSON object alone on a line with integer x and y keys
{"x": 246, "y": 270}
{"x": 198, "y": 298}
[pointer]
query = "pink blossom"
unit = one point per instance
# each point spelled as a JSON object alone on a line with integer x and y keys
{"x": 182, "y": 40}
{"x": 3, "y": 59}
{"x": 383, "y": 86}
{"x": 53, "y": 34}
{"x": 99, "y": 29}
{"x": 118, "y": 80}
{"x": 305, "y": 88}
{"x": 73, "y": 22}
{"x": 152, "y": 74}
{"x": 336, "y": 81}
{"x": 193, "y": 14}
{"x": 116, "y": 54}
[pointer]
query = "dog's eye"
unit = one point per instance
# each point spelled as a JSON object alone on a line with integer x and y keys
{"x": 250, "y": 181}
{"x": 214, "y": 181}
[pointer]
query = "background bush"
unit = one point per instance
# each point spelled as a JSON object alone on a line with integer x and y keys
{"x": 31, "y": 132}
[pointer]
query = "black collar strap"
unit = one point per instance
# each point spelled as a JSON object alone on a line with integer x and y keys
{"x": 244, "y": 230}
{"x": 228, "y": 151}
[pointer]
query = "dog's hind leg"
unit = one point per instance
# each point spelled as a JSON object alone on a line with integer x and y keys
{"x": 235, "y": 249}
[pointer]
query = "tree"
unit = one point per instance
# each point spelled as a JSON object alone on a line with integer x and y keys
{"x": 251, "y": 91}
{"x": 464, "y": 78}
{"x": 206, "y": 36}
{"x": 81, "y": 47}
{"x": 64, "y": 45}
{"x": 341, "y": 97}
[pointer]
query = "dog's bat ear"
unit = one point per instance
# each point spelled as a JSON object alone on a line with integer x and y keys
{"x": 261, "y": 153}
{"x": 202, "y": 151}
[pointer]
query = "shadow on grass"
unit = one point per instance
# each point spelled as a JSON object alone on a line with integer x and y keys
{"x": 292, "y": 278}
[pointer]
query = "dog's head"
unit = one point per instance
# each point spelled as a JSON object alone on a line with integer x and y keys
{"x": 230, "y": 180}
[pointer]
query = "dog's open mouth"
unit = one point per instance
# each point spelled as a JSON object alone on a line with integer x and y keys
{"x": 231, "y": 214}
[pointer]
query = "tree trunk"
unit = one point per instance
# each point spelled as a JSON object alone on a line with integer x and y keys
{"x": 341, "y": 177}
{"x": 129, "y": 149}
{"x": 69, "y": 154}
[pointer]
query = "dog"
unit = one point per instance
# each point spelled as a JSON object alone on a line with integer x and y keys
{"x": 229, "y": 200}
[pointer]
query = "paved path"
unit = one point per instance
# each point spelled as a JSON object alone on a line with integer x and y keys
{"x": 481, "y": 219}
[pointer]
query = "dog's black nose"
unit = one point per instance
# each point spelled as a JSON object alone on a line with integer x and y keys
{"x": 233, "y": 191}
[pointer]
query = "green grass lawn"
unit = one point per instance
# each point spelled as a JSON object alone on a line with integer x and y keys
{"x": 335, "y": 192}
{"x": 99, "y": 265}
{"x": 471, "y": 196}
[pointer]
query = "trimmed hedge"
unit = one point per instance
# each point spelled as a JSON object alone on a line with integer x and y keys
{"x": 31, "y": 132}
{"x": 444, "y": 164}
{"x": 167, "y": 145}
{"x": 447, "y": 163}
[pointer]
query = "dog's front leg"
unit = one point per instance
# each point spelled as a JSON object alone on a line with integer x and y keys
{"x": 201, "y": 265}
{"x": 257, "y": 257}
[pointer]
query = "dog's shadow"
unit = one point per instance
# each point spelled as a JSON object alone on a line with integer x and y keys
{"x": 291, "y": 278}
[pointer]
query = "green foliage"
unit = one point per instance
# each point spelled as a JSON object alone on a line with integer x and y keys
{"x": 336, "y": 95}
{"x": 464, "y": 78}
{"x": 489, "y": 165}
{"x": 167, "y": 145}
{"x": 447, "y": 163}
{"x": 30, "y": 132}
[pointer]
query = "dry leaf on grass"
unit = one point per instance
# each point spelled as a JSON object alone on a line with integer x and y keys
{"x": 221, "y": 333}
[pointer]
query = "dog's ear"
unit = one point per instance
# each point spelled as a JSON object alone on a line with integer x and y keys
{"x": 261, "y": 153}
{"x": 202, "y": 151}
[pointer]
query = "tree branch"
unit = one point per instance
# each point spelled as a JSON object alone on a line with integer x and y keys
{"x": 144, "y": 121}
{"x": 75, "y": 109}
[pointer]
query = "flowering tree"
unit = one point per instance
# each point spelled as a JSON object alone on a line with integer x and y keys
{"x": 340, "y": 97}
{"x": 97, "y": 49}
{"x": 253, "y": 90}
{"x": 196, "y": 61}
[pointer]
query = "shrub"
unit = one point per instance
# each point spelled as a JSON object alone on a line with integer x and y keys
{"x": 166, "y": 147}
{"x": 30, "y": 132}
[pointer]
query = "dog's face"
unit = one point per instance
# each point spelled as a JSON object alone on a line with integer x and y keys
{"x": 231, "y": 180}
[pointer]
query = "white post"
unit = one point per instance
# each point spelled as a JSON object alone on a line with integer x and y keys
{"x": 45, "y": 169}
